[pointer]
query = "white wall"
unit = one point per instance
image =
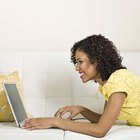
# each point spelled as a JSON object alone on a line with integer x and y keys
{"x": 52, "y": 25}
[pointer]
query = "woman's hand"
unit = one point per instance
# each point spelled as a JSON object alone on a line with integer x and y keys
{"x": 39, "y": 123}
{"x": 73, "y": 110}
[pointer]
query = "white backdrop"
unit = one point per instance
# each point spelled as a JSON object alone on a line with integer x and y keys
{"x": 52, "y": 25}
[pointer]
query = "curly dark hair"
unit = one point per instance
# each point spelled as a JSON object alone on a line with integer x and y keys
{"x": 101, "y": 50}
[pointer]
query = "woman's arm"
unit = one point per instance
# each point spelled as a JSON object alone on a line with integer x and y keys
{"x": 110, "y": 114}
{"x": 90, "y": 115}
{"x": 75, "y": 110}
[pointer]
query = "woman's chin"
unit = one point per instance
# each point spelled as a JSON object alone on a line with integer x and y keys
{"x": 84, "y": 80}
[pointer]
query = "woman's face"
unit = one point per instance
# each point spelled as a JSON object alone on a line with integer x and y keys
{"x": 86, "y": 70}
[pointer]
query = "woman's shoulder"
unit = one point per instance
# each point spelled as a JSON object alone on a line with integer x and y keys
{"x": 122, "y": 74}
{"x": 121, "y": 80}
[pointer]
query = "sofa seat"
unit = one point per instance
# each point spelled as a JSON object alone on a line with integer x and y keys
{"x": 9, "y": 131}
{"x": 117, "y": 132}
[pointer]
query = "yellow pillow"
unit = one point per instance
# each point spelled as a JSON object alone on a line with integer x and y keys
{"x": 5, "y": 111}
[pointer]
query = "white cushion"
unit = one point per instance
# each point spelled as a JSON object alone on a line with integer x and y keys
{"x": 9, "y": 131}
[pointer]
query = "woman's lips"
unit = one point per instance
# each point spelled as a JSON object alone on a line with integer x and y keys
{"x": 81, "y": 74}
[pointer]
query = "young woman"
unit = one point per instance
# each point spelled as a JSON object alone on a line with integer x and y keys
{"x": 96, "y": 58}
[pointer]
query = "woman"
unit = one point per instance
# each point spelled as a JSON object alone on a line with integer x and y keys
{"x": 96, "y": 58}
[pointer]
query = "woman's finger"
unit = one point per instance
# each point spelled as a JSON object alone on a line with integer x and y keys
{"x": 61, "y": 112}
{"x": 71, "y": 116}
{"x": 58, "y": 112}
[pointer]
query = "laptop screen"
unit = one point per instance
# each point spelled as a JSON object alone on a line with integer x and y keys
{"x": 16, "y": 102}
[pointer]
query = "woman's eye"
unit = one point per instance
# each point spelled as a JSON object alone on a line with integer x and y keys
{"x": 80, "y": 62}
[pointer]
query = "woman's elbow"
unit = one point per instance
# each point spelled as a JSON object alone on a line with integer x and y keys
{"x": 99, "y": 133}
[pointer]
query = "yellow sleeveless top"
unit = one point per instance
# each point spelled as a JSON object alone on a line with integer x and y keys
{"x": 125, "y": 81}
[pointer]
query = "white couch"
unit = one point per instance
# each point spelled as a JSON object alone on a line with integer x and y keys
{"x": 49, "y": 82}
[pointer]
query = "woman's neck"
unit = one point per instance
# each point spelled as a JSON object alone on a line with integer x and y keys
{"x": 100, "y": 81}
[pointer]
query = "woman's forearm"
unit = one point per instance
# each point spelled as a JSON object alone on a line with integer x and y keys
{"x": 90, "y": 115}
{"x": 79, "y": 127}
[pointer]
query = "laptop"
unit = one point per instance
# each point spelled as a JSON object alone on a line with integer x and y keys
{"x": 15, "y": 103}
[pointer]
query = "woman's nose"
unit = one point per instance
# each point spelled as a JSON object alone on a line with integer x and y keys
{"x": 77, "y": 68}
